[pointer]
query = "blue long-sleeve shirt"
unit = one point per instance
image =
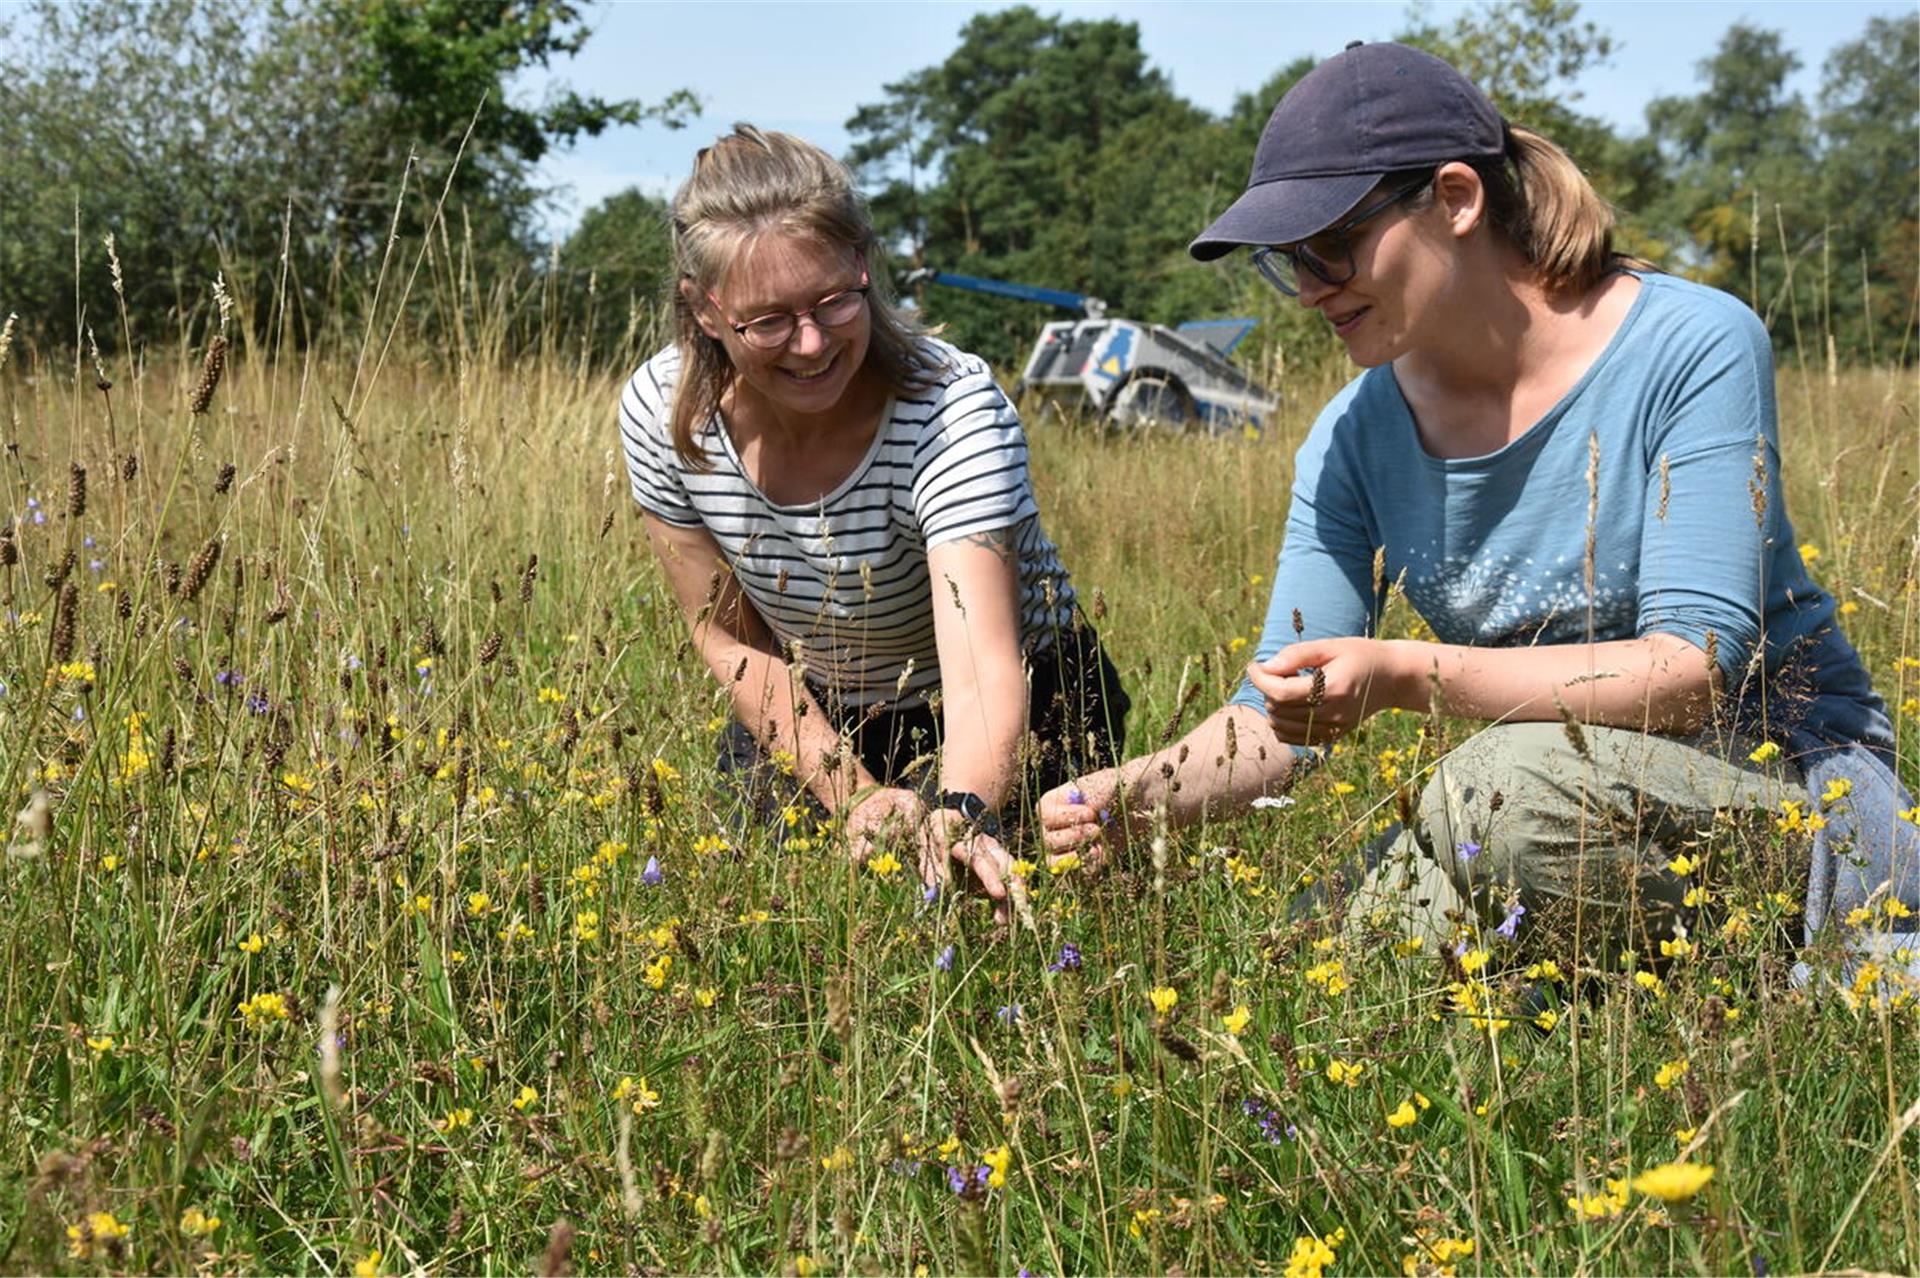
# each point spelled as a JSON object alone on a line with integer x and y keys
{"x": 1677, "y": 422}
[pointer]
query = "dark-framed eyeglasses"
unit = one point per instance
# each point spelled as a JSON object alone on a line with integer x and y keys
{"x": 776, "y": 328}
{"x": 1328, "y": 256}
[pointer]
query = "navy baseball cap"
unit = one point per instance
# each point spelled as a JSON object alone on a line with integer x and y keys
{"x": 1372, "y": 110}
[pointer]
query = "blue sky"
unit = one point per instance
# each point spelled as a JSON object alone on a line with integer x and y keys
{"x": 805, "y": 67}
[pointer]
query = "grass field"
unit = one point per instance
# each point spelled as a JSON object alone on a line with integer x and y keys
{"x": 389, "y": 919}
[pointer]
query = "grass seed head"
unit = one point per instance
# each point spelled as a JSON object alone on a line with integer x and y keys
{"x": 200, "y": 569}
{"x": 210, "y": 370}
{"x": 66, "y": 624}
{"x": 129, "y": 467}
{"x": 76, "y": 491}
{"x": 223, "y": 483}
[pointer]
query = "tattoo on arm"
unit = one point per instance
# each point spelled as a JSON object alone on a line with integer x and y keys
{"x": 999, "y": 540}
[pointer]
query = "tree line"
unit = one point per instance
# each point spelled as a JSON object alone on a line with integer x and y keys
{"x": 296, "y": 147}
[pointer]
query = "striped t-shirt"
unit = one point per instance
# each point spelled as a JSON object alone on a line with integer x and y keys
{"x": 845, "y": 576}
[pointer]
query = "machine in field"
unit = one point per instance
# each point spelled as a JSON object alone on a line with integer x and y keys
{"x": 1134, "y": 374}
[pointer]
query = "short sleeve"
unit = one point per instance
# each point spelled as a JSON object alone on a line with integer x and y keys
{"x": 970, "y": 461}
{"x": 653, "y": 469}
{"x": 1713, "y": 502}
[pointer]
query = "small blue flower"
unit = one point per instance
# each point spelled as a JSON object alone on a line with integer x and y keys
{"x": 228, "y": 678}
{"x": 653, "y": 875}
{"x": 1069, "y": 960}
{"x": 1011, "y": 1013}
{"x": 945, "y": 961}
{"x": 1510, "y": 926}
{"x": 258, "y": 703}
{"x": 1074, "y": 796}
{"x": 931, "y": 894}
{"x": 1468, "y": 851}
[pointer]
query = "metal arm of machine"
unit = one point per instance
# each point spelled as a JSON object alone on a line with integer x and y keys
{"x": 1092, "y": 307}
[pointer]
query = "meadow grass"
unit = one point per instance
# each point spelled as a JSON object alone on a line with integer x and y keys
{"x": 341, "y": 951}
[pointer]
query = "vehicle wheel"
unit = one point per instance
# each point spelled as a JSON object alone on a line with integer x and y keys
{"x": 1153, "y": 403}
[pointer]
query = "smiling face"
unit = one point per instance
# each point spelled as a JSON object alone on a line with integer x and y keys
{"x": 817, "y": 368}
{"x": 1405, "y": 262}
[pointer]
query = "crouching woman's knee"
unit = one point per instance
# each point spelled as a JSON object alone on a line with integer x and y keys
{"x": 1523, "y": 815}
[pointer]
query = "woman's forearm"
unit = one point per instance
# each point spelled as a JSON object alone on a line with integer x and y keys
{"x": 783, "y": 716}
{"x": 1659, "y": 682}
{"x": 983, "y": 725}
{"x": 1226, "y": 762}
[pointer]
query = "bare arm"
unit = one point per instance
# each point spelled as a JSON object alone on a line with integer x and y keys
{"x": 983, "y": 689}
{"x": 737, "y": 647}
{"x": 1226, "y": 762}
{"x": 1659, "y": 683}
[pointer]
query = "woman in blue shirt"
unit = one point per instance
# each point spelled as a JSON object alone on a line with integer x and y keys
{"x": 1570, "y": 464}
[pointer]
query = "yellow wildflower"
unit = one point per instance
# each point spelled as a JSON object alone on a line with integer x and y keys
{"x": 1164, "y": 998}
{"x": 527, "y": 1098}
{"x": 101, "y": 1045}
{"x": 1436, "y": 1255}
{"x": 458, "y": 1117}
{"x": 1236, "y": 1020}
{"x": 1765, "y": 752}
{"x": 1065, "y": 863}
{"x": 1346, "y": 1072}
{"x": 1668, "y": 1074}
{"x": 644, "y": 1097}
{"x": 1837, "y": 789}
{"x": 884, "y": 866}
{"x": 100, "y": 1229}
{"x": 251, "y": 943}
{"x": 1311, "y": 1255}
{"x": 1405, "y": 1116}
{"x": 839, "y": 1160}
{"x": 1331, "y": 974}
{"x": 1683, "y": 865}
{"x": 1674, "y": 1182}
{"x": 195, "y": 1223}
{"x": 368, "y": 1266}
{"x": 1602, "y": 1206}
{"x": 1142, "y": 1221}
{"x": 998, "y": 1161}
{"x": 263, "y": 1010}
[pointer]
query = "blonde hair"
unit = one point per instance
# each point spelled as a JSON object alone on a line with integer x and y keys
{"x": 745, "y": 185}
{"x": 1538, "y": 198}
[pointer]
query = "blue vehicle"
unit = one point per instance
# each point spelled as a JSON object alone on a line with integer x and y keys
{"x": 1136, "y": 375}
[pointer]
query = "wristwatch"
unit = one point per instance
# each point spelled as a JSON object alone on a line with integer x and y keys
{"x": 973, "y": 809}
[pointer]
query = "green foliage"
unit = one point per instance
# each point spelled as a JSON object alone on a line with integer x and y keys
{"x": 208, "y": 137}
{"x": 614, "y": 270}
{"x": 1809, "y": 215}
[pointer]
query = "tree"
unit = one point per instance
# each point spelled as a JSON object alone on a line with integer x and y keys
{"x": 1741, "y": 153}
{"x": 207, "y": 137}
{"x": 616, "y": 268}
{"x": 985, "y": 163}
{"x": 1871, "y": 127}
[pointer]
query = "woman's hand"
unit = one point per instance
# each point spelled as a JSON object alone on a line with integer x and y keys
{"x": 897, "y": 817}
{"x": 890, "y": 815}
{"x": 954, "y": 841}
{"x": 1320, "y": 690}
{"x": 1085, "y": 817}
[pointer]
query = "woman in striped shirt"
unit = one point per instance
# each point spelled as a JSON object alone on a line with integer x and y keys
{"x": 842, "y": 507}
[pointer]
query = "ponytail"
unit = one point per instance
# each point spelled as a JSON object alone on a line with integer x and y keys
{"x": 1540, "y": 200}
